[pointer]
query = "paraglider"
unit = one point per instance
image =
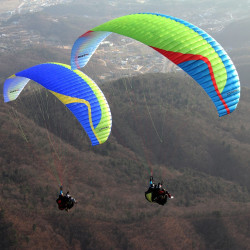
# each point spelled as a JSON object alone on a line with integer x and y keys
{"x": 65, "y": 202}
{"x": 77, "y": 92}
{"x": 156, "y": 193}
{"x": 74, "y": 89}
{"x": 186, "y": 45}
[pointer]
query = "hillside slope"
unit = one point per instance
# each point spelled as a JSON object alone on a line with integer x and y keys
{"x": 177, "y": 125}
{"x": 160, "y": 122}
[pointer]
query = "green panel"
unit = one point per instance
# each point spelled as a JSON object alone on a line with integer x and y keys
{"x": 167, "y": 34}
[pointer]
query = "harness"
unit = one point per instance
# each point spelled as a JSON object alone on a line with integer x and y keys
{"x": 156, "y": 195}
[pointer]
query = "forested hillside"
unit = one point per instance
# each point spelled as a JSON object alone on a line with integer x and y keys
{"x": 183, "y": 128}
{"x": 163, "y": 122}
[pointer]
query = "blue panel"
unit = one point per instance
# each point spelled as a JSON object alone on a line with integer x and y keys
{"x": 200, "y": 73}
{"x": 66, "y": 82}
{"x": 80, "y": 110}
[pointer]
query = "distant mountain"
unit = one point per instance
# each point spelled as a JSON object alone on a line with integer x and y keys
{"x": 236, "y": 34}
{"x": 16, "y": 61}
{"x": 236, "y": 39}
{"x": 162, "y": 122}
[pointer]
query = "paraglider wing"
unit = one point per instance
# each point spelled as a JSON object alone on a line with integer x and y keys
{"x": 189, "y": 47}
{"x": 74, "y": 89}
